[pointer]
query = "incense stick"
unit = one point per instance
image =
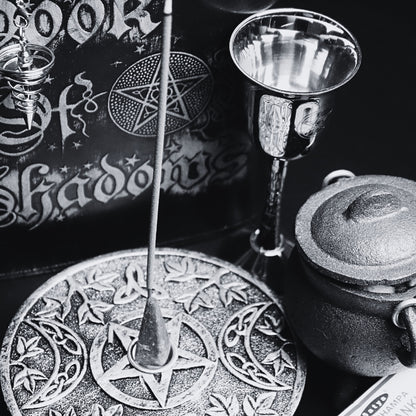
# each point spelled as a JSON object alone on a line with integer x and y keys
{"x": 161, "y": 125}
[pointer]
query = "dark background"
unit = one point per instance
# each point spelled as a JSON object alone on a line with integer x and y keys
{"x": 370, "y": 132}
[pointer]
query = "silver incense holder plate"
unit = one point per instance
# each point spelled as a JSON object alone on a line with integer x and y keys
{"x": 66, "y": 351}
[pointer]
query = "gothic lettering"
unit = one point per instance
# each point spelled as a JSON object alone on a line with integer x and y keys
{"x": 63, "y": 109}
{"x": 142, "y": 18}
{"x": 72, "y": 193}
{"x": 36, "y": 195}
{"x": 44, "y": 194}
{"x": 7, "y": 28}
{"x": 189, "y": 172}
{"x": 110, "y": 184}
{"x": 86, "y": 18}
{"x": 87, "y": 103}
{"x": 118, "y": 25}
{"x": 7, "y": 203}
{"x": 229, "y": 164}
{"x": 140, "y": 179}
{"x": 45, "y": 23}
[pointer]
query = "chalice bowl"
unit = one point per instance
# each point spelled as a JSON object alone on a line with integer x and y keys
{"x": 293, "y": 61}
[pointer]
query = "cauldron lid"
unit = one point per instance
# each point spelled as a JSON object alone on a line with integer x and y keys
{"x": 361, "y": 230}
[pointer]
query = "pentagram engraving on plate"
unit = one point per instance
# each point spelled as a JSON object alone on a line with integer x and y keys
{"x": 65, "y": 352}
{"x": 135, "y": 392}
{"x": 133, "y": 99}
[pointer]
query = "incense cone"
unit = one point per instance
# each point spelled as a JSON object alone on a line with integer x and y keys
{"x": 153, "y": 346}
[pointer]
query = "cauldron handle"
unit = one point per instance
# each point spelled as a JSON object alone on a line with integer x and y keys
{"x": 336, "y": 176}
{"x": 404, "y": 317}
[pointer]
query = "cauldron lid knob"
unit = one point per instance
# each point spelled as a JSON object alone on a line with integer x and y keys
{"x": 374, "y": 205}
{"x": 361, "y": 230}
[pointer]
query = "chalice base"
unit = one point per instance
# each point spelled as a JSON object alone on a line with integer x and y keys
{"x": 269, "y": 266}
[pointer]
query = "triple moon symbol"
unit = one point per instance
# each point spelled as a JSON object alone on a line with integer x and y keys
{"x": 193, "y": 370}
{"x": 239, "y": 339}
{"x": 133, "y": 99}
{"x": 70, "y": 362}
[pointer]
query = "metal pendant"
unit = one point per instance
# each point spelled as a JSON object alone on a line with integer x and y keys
{"x": 66, "y": 351}
{"x": 25, "y": 66}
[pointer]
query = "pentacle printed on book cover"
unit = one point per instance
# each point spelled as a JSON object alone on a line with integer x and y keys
{"x": 66, "y": 352}
{"x": 133, "y": 100}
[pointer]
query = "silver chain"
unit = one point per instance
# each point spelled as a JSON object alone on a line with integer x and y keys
{"x": 21, "y": 21}
{"x": 22, "y": 15}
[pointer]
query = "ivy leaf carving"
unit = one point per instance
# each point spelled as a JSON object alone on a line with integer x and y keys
{"x": 28, "y": 348}
{"x": 271, "y": 357}
{"x": 93, "y": 311}
{"x": 116, "y": 410}
{"x": 28, "y": 377}
{"x": 177, "y": 270}
{"x": 21, "y": 346}
{"x": 66, "y": 307}
{"x": 223, "y": 406}
{"x": 280, "y": 360}
{"x": 182, "y": 271}
{"x": 261, "y": 406}
{"x": 203, "y": 299}
{"x": 265, "y": 401}
{"x": 192, "y": 301}
{"x": 249, "y": 406}
{"x": 273, "y": 327}
{"x": 185, "y": 298}
{"x": 231, "y": 291}
{"x": 102, "y": 282}
{"x": 58, "y": 307}
{"x": 53, "y": 308}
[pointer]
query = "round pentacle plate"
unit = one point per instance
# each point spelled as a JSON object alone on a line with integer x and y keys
{"x": 66, "y": 351}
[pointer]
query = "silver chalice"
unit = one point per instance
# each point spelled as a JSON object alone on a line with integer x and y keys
{"x": 293, "y": 61}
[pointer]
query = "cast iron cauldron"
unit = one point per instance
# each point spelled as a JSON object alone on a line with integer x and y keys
{"x": 351, "y": 286}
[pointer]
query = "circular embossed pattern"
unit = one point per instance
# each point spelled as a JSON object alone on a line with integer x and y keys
{"x": 65, "y": 352}
{"x": 133, "y": 99}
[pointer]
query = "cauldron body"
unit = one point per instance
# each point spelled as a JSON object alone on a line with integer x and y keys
{"x": 338, "y": 299}
{"x": 350, "y": 329}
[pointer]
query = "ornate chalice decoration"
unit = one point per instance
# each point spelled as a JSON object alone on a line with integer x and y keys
{"x": 25, "y": 66}
{"x": 293, "y": 61}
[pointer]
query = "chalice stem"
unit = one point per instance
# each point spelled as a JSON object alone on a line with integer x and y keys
{"x": 270, "y": 237}
{"x": 265, "y": 258}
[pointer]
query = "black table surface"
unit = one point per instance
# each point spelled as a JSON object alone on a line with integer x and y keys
{"x": 370, "y": 133}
